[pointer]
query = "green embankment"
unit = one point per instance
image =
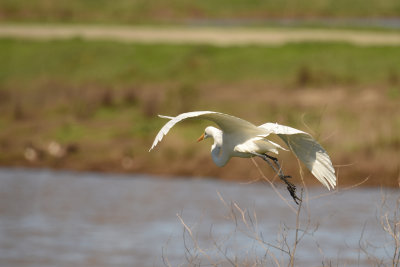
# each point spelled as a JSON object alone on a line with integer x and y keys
{"x": 178, "y": 11}
{"x": 99, "y": 101}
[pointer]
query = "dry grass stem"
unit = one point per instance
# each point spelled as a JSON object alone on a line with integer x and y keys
{"x": 273, "y": 186}
{"x": 337, "y": 190}
{"x": 389, "y": 220}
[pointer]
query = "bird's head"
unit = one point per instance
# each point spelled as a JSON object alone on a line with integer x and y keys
{"x": 208, "y": 132}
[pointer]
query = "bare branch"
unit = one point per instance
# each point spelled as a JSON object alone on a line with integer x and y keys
{"x": 273, "y": 186}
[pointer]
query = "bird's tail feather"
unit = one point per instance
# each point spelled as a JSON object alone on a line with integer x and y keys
{"x": 166, "y": 117}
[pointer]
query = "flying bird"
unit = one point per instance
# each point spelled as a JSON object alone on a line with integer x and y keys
{"x": 236, "y": 137}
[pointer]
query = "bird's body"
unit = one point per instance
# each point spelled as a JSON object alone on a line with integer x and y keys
{"x": 228, "y": 145}
{"x": 240, "y": 138}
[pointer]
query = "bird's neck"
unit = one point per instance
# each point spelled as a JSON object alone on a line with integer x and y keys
{"x": 217, "y": 150}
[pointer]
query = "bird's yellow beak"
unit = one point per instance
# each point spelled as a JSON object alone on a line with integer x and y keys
{"x": 200, "y": 138}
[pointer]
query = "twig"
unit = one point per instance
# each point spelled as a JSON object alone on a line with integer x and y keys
{"x": 273, "y": 186}
{"x": 242, "y": 213}
{"x": 165, "y": 258}
{"x": 337, "y": 190}
{"x": 184, "y": 225}
{"x": 187, "y": 228}
{"x": 296, "y": 240}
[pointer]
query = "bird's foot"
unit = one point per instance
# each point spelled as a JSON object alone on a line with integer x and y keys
{"x": 291, "y": 188}
{"x": 277, "y": 168}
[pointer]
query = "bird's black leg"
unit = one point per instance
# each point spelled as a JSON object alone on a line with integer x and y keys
{"x": 277, "y": 168}
{"x": 280, "y": 172}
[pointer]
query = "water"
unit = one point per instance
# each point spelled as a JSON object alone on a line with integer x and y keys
{"x": 50, "y": 218}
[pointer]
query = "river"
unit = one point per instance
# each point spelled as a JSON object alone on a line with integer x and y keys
{"x": 61, "y": 218}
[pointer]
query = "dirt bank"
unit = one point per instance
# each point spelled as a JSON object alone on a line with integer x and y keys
{"x": 198, "y": 35}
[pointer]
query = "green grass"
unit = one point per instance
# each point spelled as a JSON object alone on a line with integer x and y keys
{"x": 69, "y": 132}
{"x": 107, "y": 63}
{"x": 158, "y": 11}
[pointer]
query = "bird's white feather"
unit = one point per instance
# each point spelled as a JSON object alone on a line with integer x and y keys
{"x": 308, "y": 150}
{"x": 227, "y": 123}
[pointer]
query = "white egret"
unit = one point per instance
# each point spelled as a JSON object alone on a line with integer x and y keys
{"x": 240, "y": 138}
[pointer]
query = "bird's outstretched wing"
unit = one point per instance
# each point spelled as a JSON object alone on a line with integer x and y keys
{"x": 226, "y": 122}
{"x": 308, "y": 150}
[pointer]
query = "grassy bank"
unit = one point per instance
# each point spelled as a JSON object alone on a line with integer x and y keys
{"x": 111, "y": 63}
{"x": 93, "y": 105}
{"x": 178, "y": 11}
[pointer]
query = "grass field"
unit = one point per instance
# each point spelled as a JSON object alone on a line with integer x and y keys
{"x": 97, "y": 101}
{"x": 116, "y": 63}
{"x": 178, "y": 11}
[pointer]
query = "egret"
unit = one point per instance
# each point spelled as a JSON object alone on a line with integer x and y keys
{"x": 239, "y": 138}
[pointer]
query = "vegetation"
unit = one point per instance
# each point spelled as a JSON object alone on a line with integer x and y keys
{"x": 108, "y": 63}
{"x": 178, "y": 11}
{"x": 243, "y": 226}
{"x": 97, "y": 103}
